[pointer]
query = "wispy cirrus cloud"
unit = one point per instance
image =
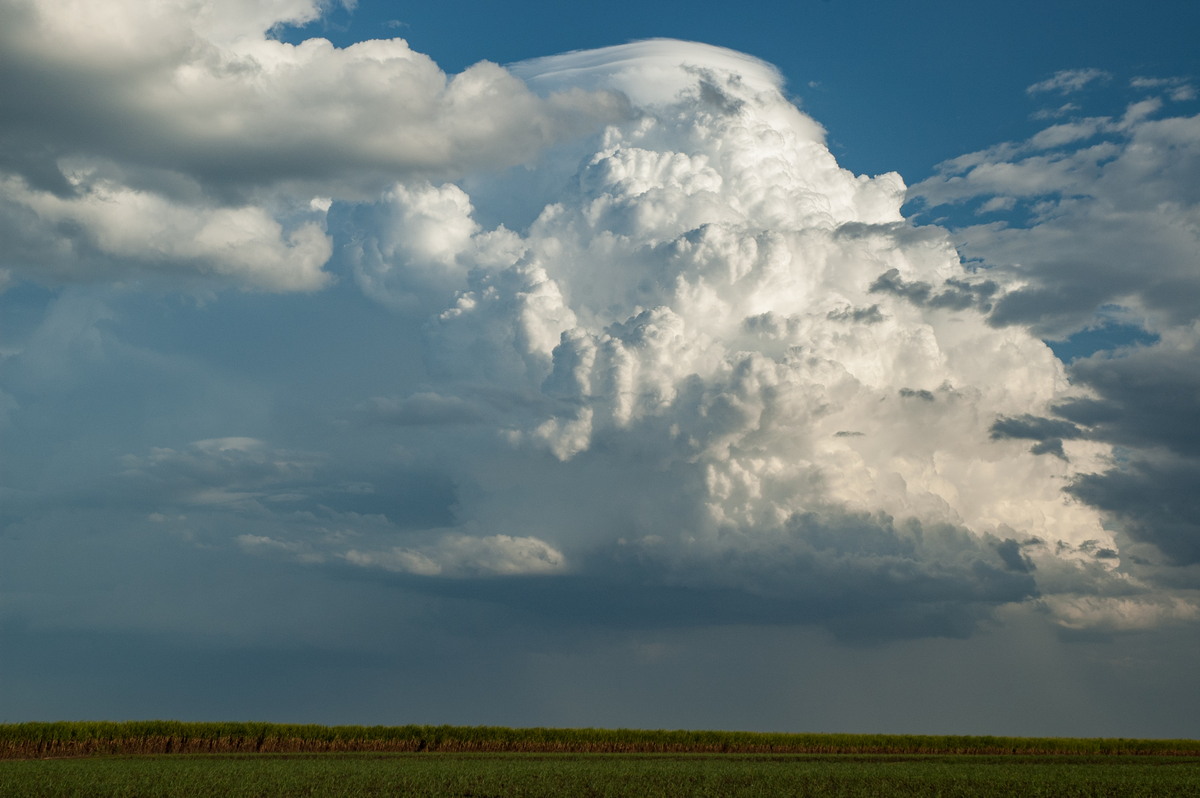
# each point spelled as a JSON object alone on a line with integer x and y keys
{"x": 1068, "y": 81}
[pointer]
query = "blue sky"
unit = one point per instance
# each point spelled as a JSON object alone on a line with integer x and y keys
{"x": 824, "y": 366}
{"x": 900, "y": 86}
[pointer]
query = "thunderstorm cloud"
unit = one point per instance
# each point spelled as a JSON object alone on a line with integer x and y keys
{"x": 607, "y": 339}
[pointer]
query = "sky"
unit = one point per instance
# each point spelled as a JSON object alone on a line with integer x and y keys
{"x": 825, "y": 366}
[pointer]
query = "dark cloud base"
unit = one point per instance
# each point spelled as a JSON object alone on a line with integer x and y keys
{"x": 860, "y": 576}
{"x": 1156, "y": 503}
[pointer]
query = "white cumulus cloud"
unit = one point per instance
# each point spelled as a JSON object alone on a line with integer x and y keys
{"x": 463, "y": 555}
{"x": 180, "y": 136}
{"x": 1067, "y": 81}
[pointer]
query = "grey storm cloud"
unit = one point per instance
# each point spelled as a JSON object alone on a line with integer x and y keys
{"x": 1143, "y": 397}
{"x": 1035, "y": 428}
{"x": 865, "y": 578}
{"x": 1108, "y": 222}
{"x": 1154, "y": 501}
{"x": 1108, "y": 245}
{"x": 1145, "y": 401}
{"x": 954, "y": 294}
{"x": 870, "y": 315}
{"x": 1048, "y": 432}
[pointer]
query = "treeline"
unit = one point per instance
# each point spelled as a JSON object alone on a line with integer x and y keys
{"x": 90, "y": 738}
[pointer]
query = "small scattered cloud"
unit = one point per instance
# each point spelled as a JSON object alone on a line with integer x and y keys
{"x": 221, "y": 471}
{"x": 1067, "y": 81}
{"x": 424, "y": 409}
{"x": 1177, "y": 89}
{"x": 458, "y": 556}
{"x": 1066, "y": 109}
{"x": 997, "y": 205}
{"x": 1068, "y": 133}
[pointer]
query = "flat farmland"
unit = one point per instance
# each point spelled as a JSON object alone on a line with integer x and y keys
{"x": 170, "y": 759}
{"x": 442, "y": 775}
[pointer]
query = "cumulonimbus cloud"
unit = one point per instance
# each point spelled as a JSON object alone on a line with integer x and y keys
{"x": 772, "y": 381}
{"x": 684, "y": 352}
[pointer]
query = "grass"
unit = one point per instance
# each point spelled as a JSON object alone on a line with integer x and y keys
{"x": 126, "y": 760}
{"x": 34, "y": 740}
{"x": 642, "y": 775}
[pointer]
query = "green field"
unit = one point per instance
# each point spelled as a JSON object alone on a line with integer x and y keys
{"x": 649, "y": 775}
{"x": 172, "y": 760}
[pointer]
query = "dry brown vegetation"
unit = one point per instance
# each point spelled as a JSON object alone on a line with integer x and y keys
{"x": 37, "y": 740}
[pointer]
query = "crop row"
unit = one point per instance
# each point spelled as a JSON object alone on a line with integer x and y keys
{"x": 84, "y": 738}
{"x": 448, "y": 775}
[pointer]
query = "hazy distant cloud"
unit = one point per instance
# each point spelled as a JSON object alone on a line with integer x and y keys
{"x": 466, "y": 556}
{"x": 1178, "y": 89}
{"x": 226, "y": 471}
{"x": 1067, "y": 81}
{"x": 1065, "y": 109}
{"x": 1121, "y": 614}
{"x": 425, "y": 408}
